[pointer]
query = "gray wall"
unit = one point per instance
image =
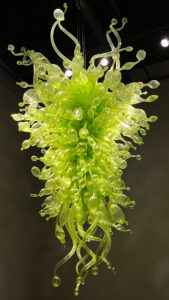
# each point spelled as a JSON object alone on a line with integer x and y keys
{"x": 28, "y": 248}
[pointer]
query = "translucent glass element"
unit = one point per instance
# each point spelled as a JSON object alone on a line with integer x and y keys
{"x": 56, "y": 281}
{"x": 85, "y": 129}
{"x": 153, "y": 84}
{"x": 58, "y": 14}
{"x": 95, "y": 271}
{"x": 26, "y": 144}
{"x": 11, "y": 48}
{"x": 83, "y": 133}
{"x": 78, "y": 113}
{"x": 35, "y": 171}
{"x": 141, "y": 55}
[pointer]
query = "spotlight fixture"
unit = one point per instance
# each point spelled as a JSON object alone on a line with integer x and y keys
{"x": 68, "y": 73}
{"x": 104, "y": 62}
{"x": 164, "y": 42}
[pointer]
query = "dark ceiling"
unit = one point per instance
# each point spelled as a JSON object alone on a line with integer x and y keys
{"x": 29, "y": 25}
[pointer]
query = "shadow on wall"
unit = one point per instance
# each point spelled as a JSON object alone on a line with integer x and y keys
{"x": 28, "y": 248}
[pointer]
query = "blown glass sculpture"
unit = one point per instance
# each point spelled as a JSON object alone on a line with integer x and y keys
{"x": 85, "y": 127}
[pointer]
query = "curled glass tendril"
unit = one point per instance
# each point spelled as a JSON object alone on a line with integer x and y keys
{"x": 85, "y": 129}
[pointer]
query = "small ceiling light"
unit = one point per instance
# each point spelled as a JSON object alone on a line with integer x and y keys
{"x": 104, "y": 62}
{"x": 164, "y": 42}
{"x": 68, "y": 73}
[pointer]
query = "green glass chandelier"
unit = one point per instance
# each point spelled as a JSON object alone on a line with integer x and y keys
{"x": 86, "y": 128}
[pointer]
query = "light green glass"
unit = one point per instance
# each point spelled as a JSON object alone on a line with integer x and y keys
{"x": 85, "y": 126}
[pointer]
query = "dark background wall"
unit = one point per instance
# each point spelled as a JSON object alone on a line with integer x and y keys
{"x": 28, "y": 248}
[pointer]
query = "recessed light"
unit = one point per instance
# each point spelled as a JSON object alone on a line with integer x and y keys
{"x": 164, "y": 42}
{"x": 68, "y": 73}
{"x": 104, "y": 62}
